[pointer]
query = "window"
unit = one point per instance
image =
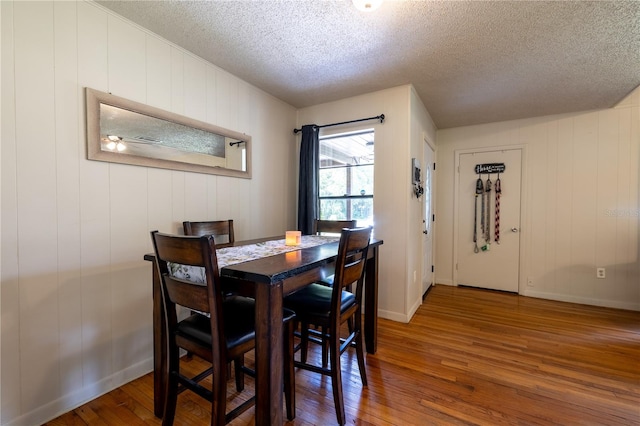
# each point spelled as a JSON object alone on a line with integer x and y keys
{"x": 346, "y": 177}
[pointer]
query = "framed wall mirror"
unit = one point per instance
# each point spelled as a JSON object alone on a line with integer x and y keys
{"x": 128, "y": 132}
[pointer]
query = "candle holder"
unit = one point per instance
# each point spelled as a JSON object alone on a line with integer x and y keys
{"x": 292, "y": 238}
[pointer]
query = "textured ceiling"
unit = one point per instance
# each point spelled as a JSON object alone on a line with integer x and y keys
{"x": 470, "y": 61}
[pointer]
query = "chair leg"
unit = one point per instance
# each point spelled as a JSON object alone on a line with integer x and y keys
{"x": 238, "y": 363}
{"x": 359, "y": 343}
{"x": 219, "y": 397}
{"x": 289, "y": 372}
{"x": 325, "y": 348}
{"x": 336, "y": 378}
{"x": 360, "y": 355}
{"x": 304, "y": 341}
{"x": 171, "y": 387}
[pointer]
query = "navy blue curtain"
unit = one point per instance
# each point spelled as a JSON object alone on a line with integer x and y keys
{"x": 308, "y": 181}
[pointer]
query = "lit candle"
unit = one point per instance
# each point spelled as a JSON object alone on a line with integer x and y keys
{"x": 292, "y": 238}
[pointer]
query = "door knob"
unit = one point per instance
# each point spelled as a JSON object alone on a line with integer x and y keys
{"x": 514, "y": 229}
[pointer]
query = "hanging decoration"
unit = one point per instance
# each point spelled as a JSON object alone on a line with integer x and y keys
{"x": 479, "y": 190}
{"x": 498, "y": 191}
{"x": 487, "y": 188}
{"x": 482, "y": 210}
{"x": 484, "y": 189}
{"x": 490, "y": 168}
{"x": 418, "y": 189}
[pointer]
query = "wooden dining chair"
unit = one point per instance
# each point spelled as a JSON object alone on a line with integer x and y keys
{"x": 330, "y": 307}
{"x": 332, "y": 226}
{"x": 221, "y": 229}
{"x": 329, "y": 227}
{"x": 225, "y": 332}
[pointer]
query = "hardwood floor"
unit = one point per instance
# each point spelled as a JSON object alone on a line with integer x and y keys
{"x": 468, "y": 357}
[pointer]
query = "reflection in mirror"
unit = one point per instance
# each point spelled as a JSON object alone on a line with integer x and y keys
{"x": 124, "y": 131}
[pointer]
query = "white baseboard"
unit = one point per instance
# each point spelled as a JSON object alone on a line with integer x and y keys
{"x": 393, "y": 316}
{"x": 414, "y": 308}
{"x": 78, "y": 397}
{"x": 617, "y": 304}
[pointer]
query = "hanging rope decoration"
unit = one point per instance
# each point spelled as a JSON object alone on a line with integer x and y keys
{"x": 484, "y": 189}
{"x": 498, "y": 191}
{"x": 479, "y": 190}
{"x": 487, "y": 188}
{"x": 482, "y": 208}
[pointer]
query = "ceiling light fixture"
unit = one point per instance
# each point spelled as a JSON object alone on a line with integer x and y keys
{"x": 115, "y": 143}
{"x": 367, "y": 5}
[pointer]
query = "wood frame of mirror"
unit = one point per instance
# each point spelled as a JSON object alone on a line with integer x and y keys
{"x": 172, "y": 159}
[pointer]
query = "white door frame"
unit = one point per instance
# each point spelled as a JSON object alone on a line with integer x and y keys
{"x": 524, "y": 211}
{"x": 432, "y": 274}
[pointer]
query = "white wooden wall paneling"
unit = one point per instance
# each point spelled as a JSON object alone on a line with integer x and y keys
{"x": 177, "y": 106}
{"x": 532, "y": 232}
{"x": 583, "y": 221}
{"x": 628, "y": 250}
{"x": 178, "y": 198}
{"x": 195, "y": 88}
{"x": 263, "y": 219}
{"x": 95, "y": 244}
{"x": 158, "y": 73}
{"x": 226, "y": 113}
{"x": 195, "y": 105}
{"x": 195, "y": 189}
{"x": 554, "y": 164}
{"x": 633, "y": 247}
{"x": 69, "y": 146}
{"x": 177, "y": 80}
{"x": 159, "y": 201}
{"x": 126, "y": 60}
{"x": 10, "y": 299}
{"x": 564, "y": 196}
{"x": 128, "y": 214}
{"x": 159, "y": 77}
{"x": 607, "y": 194}
{"x": 36, "y": 183}
{"x": 242, "y": 201}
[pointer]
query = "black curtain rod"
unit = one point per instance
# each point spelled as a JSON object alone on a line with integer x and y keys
{"x": 379, "y": 117}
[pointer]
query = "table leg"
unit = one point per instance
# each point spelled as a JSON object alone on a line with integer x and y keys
{"x": 269, "y": 356}
{"x": 371, "y": 302}
{"x": 159, "y": 347}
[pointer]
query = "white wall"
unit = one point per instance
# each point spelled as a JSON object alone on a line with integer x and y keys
{"x": 581, "y": 202}
{"x": 422, "y": 127}
{"x": 75, "y": 291}
{"x": 396, "y": 211}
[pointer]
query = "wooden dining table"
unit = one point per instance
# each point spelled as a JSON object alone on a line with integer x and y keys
{"x": 269, "y": 279}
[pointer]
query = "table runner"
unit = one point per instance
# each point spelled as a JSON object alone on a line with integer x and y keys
{"x": 239, "y": 254}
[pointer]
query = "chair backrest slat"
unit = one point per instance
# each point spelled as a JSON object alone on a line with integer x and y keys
{"x": 332, "y": 226}
{"x": 188, "y": 294}
{"x": 222, "y": 230}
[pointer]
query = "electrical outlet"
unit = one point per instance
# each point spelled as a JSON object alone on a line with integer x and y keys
{"x": 600, "y": 273}
{"x": 530, "y": 282}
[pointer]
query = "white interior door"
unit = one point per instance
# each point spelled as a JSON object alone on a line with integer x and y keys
{"x": 427, "y": 214}
{"x": 495, "y": 264}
